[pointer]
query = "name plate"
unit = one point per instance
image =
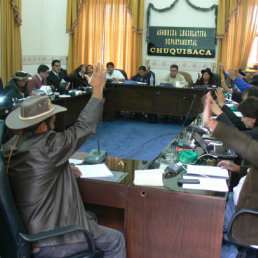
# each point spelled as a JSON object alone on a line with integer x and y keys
{"x": 181, "y": 41}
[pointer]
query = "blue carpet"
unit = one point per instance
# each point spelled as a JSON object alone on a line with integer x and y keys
{"x": 133, "y": 139}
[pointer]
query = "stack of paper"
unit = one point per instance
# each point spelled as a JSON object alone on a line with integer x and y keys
{"x": 211, "y": 178}
{"x": 149, "y": 177}
{"x": 207, "y": 183}
{"x": 95, "y": 171}
{"x": 207, "y": 171}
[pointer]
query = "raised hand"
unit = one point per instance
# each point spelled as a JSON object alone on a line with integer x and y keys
{"x": 220, "y": 97}
{"x": 98, "y": 80}
{"x": 207, "y": 121}
{"x": 225, "y": 86}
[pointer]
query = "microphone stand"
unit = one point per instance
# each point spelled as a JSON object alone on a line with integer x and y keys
{"x": 97, "y": 156}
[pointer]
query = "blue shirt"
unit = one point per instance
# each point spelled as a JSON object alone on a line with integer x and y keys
{"x": 242, "y": 85}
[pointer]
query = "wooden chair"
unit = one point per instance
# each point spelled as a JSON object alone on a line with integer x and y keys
{"x": 188, "y": 78}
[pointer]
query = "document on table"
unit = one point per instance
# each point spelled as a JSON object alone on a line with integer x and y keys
{"x": 207, "y": 183}
{"x": 207, "y": 171}
{"x": 149, "y": 177}
{"x": 76, "y": 161}
{"x": 95, "y": 171}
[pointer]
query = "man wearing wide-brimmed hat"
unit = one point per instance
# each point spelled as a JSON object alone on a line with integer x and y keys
{"x": 44, "y": 187}
{"x": 15, "y": 87}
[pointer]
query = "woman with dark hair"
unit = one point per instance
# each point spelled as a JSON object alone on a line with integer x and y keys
{"x": 89, "y": 72}
{"x": 80, "y": 77}
{"x": 207, "y": 78}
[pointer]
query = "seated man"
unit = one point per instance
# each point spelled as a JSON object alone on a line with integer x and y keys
{"x": 56, "y": 75}
{"x": 174, "y": 76}
{"x": 38, "y": 80}
{"x": 44, "y": 187}
{"x": 15, "y": 88}
{"x": 142, "y": 76}
{"x": 245, "y": 229}
{"x": 113, "y": 74}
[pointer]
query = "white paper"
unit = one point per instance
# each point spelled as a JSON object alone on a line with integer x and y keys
{"x": 76, "y": 161}
{"x": 207, "y": 183}
{"x": 237, "y": 113}
{"x": 207, "y": 171}
{"x": 149, "y": 177}
{"x": 47, "y": 89}
{"x": 94, "y": 171}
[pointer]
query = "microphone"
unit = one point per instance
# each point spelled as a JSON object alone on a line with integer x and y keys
{"x": 97, "y": 156}
{"x": 190, "y": 108}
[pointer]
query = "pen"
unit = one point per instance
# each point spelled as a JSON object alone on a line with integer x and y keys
{"x": 226, "y": 164}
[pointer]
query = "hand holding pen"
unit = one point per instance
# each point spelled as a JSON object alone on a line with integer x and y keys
{"x": 229, "y": 165}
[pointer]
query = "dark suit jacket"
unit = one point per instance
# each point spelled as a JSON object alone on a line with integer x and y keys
{"x": 245, "y": 229}
{"x": 54, "y": 80}
{"x": 33, "y": 84}
{"x": 234, "y": 118}
{"x": 253, "y": 132}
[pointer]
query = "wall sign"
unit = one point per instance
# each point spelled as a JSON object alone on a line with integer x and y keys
{"x": 181, "y": 41}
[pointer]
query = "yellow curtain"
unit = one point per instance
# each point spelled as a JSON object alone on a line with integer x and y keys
{"x": 235, "y": 46}
{"x": 226, "y": 9}
{"x": 10, "y": 38}
{"x": 105, "y": 31}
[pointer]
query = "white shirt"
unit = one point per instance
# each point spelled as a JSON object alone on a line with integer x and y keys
{"x": 116, "y": 74}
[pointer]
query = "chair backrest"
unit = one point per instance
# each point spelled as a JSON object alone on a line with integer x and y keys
{"x": 188, "y": 78}
{"x": 1, "y": 85}
{"x": 11, "y": 245}
{"x": 217, "y": 77}
{"x": 124, "y": 73}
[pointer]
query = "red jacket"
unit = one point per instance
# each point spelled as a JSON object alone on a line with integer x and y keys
{"x": 33, "y": 84}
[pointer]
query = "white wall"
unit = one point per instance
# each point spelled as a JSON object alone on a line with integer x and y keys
{"x": 43, "y": 33}
{"x": 44, "y": 37}
{"x": 182, "y": 15}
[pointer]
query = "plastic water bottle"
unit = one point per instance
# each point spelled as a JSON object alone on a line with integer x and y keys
{"x": 151, "y": 80}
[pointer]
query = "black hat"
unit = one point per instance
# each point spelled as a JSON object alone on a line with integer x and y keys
{"x": 207, "y": 70}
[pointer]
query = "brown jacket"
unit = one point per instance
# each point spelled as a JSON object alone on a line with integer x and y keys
{"x": 44, "y": 186}
{"x": 33, "y": 84}
{"x": 245, "y": 229}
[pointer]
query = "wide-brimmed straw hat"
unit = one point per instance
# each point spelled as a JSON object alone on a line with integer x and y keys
{"x": 31, "y": 112}
{"x": 21, "y": 75}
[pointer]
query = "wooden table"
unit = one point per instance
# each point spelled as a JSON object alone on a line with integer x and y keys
{"x": 132, "y": 98}
{"x": 157, "y": 222}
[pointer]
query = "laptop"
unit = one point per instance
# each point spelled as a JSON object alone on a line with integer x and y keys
{"x": 64, "y": 86}
{"x": 220, "y": 152}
